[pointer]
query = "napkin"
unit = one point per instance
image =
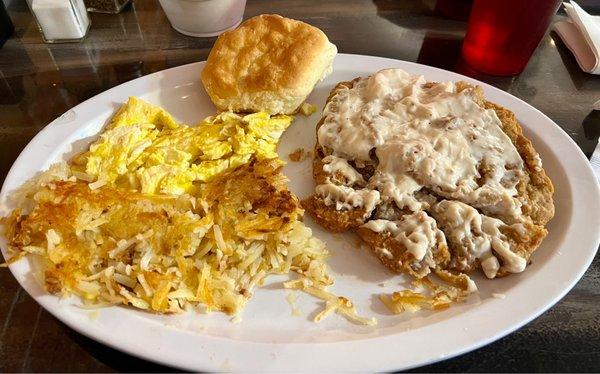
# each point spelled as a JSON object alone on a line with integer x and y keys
{"x": 581, "y": 34}
{"x": 595, "y": 161}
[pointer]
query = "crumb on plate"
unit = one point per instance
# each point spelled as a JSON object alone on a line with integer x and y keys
{"x": 300, "y": 154}
{"x": 307, "y": 109}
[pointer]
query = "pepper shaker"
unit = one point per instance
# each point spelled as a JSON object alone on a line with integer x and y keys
{"x": 106, "y": 6}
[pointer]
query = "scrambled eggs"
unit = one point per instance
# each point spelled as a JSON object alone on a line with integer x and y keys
{"x": 145, "y": 149}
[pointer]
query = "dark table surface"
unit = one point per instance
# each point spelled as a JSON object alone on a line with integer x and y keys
{"x": 38, "y": 82}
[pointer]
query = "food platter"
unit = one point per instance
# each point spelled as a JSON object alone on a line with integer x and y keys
{"x": 269, "y": 337}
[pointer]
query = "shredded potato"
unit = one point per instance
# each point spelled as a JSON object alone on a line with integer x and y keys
{"x": 159, "y": 252}
{"x": 455, "y": 288}
{"x": 333, "y": 303}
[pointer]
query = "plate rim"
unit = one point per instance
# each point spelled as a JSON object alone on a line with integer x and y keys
{"x": 138, "y": 350}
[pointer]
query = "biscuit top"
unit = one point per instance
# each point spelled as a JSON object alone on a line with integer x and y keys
{"x": 265, "y": 53}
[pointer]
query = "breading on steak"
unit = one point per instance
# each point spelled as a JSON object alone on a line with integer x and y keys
{"x": 430, "y": 175}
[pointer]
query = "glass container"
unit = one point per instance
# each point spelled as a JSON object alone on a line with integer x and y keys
{"x": 106, "y": 6}
{"x": 60, "y": 20}
{"x": 502, "y": 34}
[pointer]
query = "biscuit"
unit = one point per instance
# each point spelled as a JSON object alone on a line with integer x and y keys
{"x": 269, "y": 63}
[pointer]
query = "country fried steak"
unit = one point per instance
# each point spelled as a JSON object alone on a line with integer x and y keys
{"x": 431, "y": 175}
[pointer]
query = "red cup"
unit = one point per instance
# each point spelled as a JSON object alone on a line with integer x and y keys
{"x": 502, "y": 34}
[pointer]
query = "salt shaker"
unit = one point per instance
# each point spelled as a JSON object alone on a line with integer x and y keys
{"x": 60, "y": 20}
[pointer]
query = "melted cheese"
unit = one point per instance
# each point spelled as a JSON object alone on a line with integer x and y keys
{"x": 479, "y": 236}
{"x": 424, "y": 135}
{"x": 417, "y": 232}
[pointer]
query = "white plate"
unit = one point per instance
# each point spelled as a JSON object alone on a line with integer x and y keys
{"x": 269, "y": 337}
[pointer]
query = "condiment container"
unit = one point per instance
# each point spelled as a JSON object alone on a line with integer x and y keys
{"x": 106, "y": 6}
{"x": 60, "y": 20}
{"x": 204, "y": 18}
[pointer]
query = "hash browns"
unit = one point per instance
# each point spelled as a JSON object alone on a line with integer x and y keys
{"x": 169, "y": 253}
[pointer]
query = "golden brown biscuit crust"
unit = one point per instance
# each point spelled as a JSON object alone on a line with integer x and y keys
{"x": 268, "y": 63}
